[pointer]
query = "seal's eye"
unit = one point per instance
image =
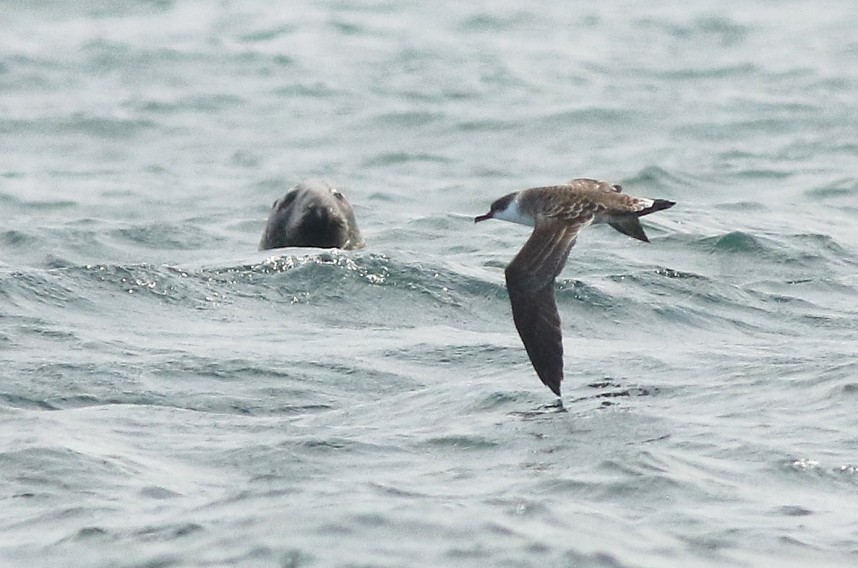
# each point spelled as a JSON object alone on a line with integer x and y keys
{"x": 337, "y": 194}
{"x": 286, "y": 200}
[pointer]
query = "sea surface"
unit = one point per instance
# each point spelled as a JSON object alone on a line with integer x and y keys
{"x": 171, "y": 396}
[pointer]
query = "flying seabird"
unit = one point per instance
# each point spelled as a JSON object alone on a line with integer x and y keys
{"x": 557, "y": 214}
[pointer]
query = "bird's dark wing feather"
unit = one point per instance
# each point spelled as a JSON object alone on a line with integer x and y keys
{"x": 530, "y": 283}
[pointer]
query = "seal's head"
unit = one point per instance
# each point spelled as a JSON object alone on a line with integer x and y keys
{"x": 312, "y": 214}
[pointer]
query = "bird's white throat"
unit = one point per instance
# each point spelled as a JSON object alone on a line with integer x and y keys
{"x": 514, "y": 214}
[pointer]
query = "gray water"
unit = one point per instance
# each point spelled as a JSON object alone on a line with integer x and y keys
{"x": 169, "y": 396}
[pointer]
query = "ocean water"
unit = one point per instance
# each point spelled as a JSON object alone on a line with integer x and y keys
{"x": 170, "y": 396}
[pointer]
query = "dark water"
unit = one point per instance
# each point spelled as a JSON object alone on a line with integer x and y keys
{"x": 171, "y": 397}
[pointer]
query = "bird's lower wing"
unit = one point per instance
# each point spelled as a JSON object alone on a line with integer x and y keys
{"x": 538, "y": 323}
{"x": 530, "y": 283}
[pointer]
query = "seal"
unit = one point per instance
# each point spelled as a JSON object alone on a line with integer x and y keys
{"x": 312, "y": 214}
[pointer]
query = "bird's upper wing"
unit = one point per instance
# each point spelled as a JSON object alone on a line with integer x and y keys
{"x": 530, "y": 282}
{"x": 594, "y": 184}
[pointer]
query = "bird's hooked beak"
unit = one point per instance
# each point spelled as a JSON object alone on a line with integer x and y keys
{"x": 479, "y": 218}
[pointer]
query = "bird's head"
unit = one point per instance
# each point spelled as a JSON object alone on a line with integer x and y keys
{"x": 506, "y": 209}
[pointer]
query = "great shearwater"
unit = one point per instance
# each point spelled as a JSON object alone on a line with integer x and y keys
{"x": 557, "y": 214}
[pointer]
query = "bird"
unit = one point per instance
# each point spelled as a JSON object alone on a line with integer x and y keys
{"x": 557, "y": 214}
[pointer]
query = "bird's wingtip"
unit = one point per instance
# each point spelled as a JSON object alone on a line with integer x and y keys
{"x": 553, "y": 383}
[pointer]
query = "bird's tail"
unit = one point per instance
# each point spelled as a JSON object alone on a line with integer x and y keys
{"x": 631, "y": 226}
{"x": 657, "y": 205}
